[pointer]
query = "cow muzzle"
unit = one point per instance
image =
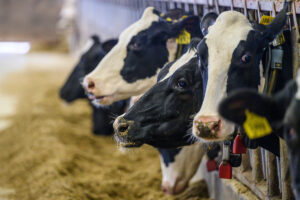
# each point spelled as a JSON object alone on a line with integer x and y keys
{"x": 176, "y": 188}
{"x": 207, "y": 127}
{"x": 93, "y": 93}
{"x": 122, "y": 127}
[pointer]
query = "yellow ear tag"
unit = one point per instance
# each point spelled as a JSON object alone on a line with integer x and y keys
{"x": 265, "y": 20}
{"x": 168, "y": 19}
{"x": 256, "y": 126}
{"x": 184, "y": 37}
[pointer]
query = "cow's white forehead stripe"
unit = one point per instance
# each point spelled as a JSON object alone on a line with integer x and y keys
{"x": 230, "y": 28}
{"x": 185, "y": 58}
{"x": 298, "y": 85}
{"x": 223, "y": 37}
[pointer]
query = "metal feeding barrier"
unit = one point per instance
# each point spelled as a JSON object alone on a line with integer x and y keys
{"x": 261, "y": 171}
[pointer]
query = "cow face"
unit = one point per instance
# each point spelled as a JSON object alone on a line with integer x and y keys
{"x": 131, "y": 67}
{"x": 93, "y": 52}
{"x": 178, "y": 167}
{"x": 281, "y": 108}
{"x": 161, "y": 117}
{"x": 230, "y": 55}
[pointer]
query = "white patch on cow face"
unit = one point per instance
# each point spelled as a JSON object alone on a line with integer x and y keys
{"x": 178, "y": 174}
{"x": 185, "y": 58}
{"x": 230, "y": 28}
{"x": 298, "y": 85}
{"x": 107, "y": 75}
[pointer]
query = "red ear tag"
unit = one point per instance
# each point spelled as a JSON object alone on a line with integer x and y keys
{"x": 211, "y": 165}
{"x": 225, "y": 170}
{"x": 238, "y": 146}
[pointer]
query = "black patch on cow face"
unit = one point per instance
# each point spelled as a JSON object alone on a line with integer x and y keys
{"x": 72, "y": 88}
{"x": 144, "y": 57}
{"x": 244, "y": 68}
{"x": 168, "y": 155}
{"x": 147, "y": 51}
{"x": 202, "y": 54}
{"x": 162, "y": 115}
{"x": 207, "y": 20}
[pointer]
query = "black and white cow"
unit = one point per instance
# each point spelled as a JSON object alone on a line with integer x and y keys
{"x": 131, "y": 67}
{"x": 146, "y": 44}
{"x": 162, "y": 116}
{"x": 151, "y": 110}
{"x": 280, "y": 110}
{"x": 72, "y": 90}
{"x": 230, "y": 57}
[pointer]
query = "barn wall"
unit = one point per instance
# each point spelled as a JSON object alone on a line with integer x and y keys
{"x": 104, "y": 18}
{"x": 29, "y": 19}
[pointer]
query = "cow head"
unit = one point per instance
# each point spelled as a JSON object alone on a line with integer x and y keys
{"x": 162, "y": 116}
{"x": 92, "y": 53}
{"x": 130, "y": 68}
{"x": 178, "y": 166}
{"x": 281, "y": 108}
{"x": 230, "y": 57}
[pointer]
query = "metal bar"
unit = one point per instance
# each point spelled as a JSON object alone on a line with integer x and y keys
{"x": 272, "y": 179}
{"x": 285, "y": 178}
{"x": 263, "y": 161}
{"x": 251, "y": 4}
{"x": 257, "y": 172}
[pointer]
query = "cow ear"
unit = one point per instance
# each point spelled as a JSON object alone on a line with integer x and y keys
{"x": 208, "y": 20}
{"x": 189, "y": 23}
{"x": 165, "y": 30}
{"x": 275, "y": 27}
{"x": 109, "y": 44}
{"x": 95, "y": 38}
{"x": 233, "y": 108}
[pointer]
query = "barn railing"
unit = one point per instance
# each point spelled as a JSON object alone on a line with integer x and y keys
{"x": 261, "y": 171}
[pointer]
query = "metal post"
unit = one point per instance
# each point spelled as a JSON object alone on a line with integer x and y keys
{"x": 287, "y": 193}
{"x": 272, "y": 179}
{"x": 256, "y": 165}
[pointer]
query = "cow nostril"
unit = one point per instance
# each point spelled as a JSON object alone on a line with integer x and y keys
{"x": 123, "y": 127}
{"x": 165, "y": 189}
{"x": 91, "y": 85}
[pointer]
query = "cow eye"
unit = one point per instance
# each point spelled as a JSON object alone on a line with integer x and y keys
{"x": 182, "y": 83}
{"x": 246, "y": 58}
{"x": 134, "y": 46}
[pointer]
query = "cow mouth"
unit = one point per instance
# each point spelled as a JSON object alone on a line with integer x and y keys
{"x": 100, "y": 100}
{"x": 124, "y": 142}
